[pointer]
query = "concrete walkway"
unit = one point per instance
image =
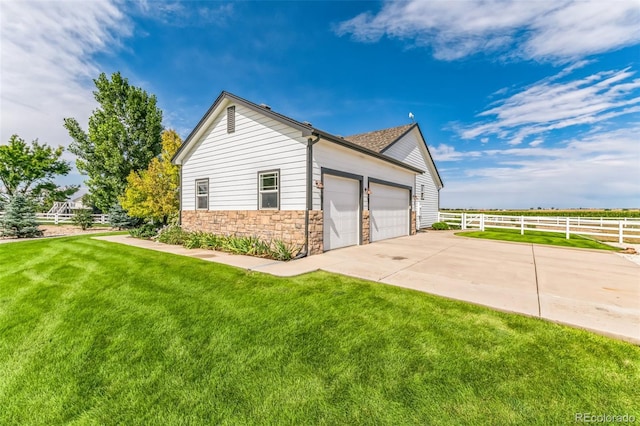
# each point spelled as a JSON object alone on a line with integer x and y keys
{"x": 595, "y": 290}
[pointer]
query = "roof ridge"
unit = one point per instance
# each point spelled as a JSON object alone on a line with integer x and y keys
{"x": 382, "y": 130}
{"x": 380, "y": 140}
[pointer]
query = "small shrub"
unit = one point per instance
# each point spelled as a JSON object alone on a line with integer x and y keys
{"x": 440, "y": 226}
{"x": 280, "y": 251}
{"x": 19, "y": 219}
{"x": 238, "y": 245}
{"x": 251, "y": 246}
{"x": 119, "y": 219}
{"x": 82, "y": 218}
{"x": 146, "y": 231}
{"x": 259, "y": 248}
{"x": 194, "y": 240}
{"x": 211, "y": 242}
{"x": 172, "y": 234}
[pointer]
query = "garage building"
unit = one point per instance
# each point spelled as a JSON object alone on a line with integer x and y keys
{"x": 247, "y": 170}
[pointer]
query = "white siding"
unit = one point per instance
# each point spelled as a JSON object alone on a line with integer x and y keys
{"x": 408, "y": 150}
{"x": 333, "y": 156}
{"x": 232, "y": 162}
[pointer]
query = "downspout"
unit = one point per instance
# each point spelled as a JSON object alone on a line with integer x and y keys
{"x": 310, "y": 143}
{"x": 180, "y": 197}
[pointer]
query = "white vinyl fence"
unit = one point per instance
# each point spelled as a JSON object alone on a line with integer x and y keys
{"x": 605, "y": 228}
{"x": 59, "y": 218}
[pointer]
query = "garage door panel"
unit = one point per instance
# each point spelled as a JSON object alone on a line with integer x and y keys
{"x": 388, "y": 212}
{"x": 341, "y": 205}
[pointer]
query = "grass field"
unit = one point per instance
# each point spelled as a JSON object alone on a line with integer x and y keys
{"x": 538, "y": 237}
{"x": 628, "y": 213}
{"x": 100, "y": 333}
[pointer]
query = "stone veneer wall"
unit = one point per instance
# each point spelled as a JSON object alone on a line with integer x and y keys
{"x": 366, "y": 226}
{"x": 284, "y": 225}
{"x": 316, "y": 232}
{"x": 412, "y": 228}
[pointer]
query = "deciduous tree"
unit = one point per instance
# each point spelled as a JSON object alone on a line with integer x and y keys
{"x": 123, "y": 136}
{"x": 152, "y": 194}
{"x": 29, "y": 170}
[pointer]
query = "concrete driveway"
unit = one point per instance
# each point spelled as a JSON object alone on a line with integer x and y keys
{"x": 595, "y": 290}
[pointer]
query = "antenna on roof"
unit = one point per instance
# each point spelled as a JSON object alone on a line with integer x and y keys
{"x": 412, "y": 117}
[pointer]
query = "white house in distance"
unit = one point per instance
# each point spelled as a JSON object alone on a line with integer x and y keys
{"x": 247, "y": 170}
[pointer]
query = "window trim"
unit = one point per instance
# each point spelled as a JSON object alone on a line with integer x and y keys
{"x": 278, "y": 182}
{"x": 197, "y": 196}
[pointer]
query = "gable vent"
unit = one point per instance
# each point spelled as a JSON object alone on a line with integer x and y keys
{"x": 231, "y": 119}
{"x": 265, "y": 106}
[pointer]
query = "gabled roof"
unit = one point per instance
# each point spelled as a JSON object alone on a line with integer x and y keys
{"x": 379, "y": 140}
{"x": 305, "y": 128}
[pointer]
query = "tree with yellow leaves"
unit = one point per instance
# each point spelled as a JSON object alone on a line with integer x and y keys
{"x": 152, "y": 194}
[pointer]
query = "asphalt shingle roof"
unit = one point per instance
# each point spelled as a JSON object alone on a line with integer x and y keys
{"x": 378, "y": 140}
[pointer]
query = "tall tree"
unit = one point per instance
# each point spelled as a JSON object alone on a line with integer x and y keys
{"x": 29, "y": 170}
{"x": 123, "y": 136}
{"x": 152, "y": 194}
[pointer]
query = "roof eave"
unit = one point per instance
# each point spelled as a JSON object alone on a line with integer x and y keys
{"x": 430, "y": 157}
{"x": 304, "y": 129}
{"x": 398, "y": 138}
{"x": 355, "y": 147}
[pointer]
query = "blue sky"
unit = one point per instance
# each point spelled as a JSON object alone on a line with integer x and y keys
{"x": 523, "y": 104}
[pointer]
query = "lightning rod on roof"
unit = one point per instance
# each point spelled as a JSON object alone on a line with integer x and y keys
{"x": 412, "y": 117}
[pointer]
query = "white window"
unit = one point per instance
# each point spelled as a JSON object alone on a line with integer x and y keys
{"x": 269, "y": 189}
{"x": 202, "y": 194}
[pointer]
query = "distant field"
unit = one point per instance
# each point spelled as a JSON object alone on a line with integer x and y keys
{"x": 635, "y": 213}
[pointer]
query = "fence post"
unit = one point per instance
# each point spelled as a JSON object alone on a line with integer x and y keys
{"x": 568, "y": 230}
{"x": 439, "y": 217}
{"x": 55, "y": 219}
{"x": 464, "y": 221}
{"x": 521, "y": 225}
{"x": 620, "y": 232}
{"x": 482, "y": 222}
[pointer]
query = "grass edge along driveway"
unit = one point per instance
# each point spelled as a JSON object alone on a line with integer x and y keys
{"x": 538, "y": 237}
{"x": 94, "y": 332}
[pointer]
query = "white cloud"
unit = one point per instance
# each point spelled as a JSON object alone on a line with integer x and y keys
{"x": 598, "y": 170}
{"x": 541, "y": 30}
{"x": 175, "y": 13}
{"x": 444, "y": 152}
{"x": 536, "y": 143}
{"x": 550, "y": 105}
{"x": 47, "y": 67}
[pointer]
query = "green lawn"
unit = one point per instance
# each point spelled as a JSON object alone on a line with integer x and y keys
{"x": 99, "y": 333}
{"x": 538, "y": 237}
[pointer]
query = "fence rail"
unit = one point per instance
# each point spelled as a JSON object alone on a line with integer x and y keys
{"x": 59, "y": 218}
{"x": 603, "y": 228}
